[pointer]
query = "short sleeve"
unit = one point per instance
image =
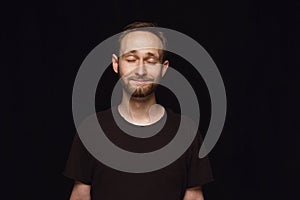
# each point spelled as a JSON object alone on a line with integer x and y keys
{"x": 199, "y": 169}
{"x": 80, "y": 164}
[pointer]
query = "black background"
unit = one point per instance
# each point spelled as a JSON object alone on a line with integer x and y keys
{"x": 253, "y": 43}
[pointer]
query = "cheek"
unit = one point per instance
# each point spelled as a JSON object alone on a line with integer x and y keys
{"x": 123, "y": 71}
{"x": 155, "y": 71}
{"x": 125, "y": 68}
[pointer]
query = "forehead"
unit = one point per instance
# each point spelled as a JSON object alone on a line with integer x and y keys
{"x": 138, "y": 40}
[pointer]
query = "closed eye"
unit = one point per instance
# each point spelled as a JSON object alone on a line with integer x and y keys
{"x": 131, "y": 60}
{"x": 152, "y": 60}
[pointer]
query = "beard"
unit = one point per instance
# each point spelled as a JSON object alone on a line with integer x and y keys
{"x": 138, "y": 91}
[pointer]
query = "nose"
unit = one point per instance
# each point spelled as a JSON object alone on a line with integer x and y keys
{"x": 141, "y": 69}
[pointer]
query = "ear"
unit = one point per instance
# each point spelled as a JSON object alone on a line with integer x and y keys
{"x": 115, "y": 62}
{"x": 165, "y": 66}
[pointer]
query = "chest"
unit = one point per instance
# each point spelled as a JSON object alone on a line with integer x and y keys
{"x": 167, "y": 183}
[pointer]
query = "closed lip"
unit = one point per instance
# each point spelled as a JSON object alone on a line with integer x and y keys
{"x": 140, "y": 80}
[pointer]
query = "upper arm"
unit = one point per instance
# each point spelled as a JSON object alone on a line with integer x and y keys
{"x": 194, "y": 193}
{"x": 81, "y": 191}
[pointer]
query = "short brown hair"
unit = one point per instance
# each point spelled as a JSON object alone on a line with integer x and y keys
{"x": 145, "y": 26}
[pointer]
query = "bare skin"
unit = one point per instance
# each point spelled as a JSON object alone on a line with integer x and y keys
{"x": 140, "y": 68}
{"x": 193, "y": 194}
{"x": 81, "y": 191}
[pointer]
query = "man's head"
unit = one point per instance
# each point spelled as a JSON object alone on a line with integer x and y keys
{"x": 140, "y": 62}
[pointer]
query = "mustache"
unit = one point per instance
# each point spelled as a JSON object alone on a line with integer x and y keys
{"x": 139, "y": 78}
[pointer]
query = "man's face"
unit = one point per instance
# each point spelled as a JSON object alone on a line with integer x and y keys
{"x": 139, "y": 64}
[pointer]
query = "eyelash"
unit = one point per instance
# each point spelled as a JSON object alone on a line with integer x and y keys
{"x": 152, "y": 62}
{"x": 133, "y": 60}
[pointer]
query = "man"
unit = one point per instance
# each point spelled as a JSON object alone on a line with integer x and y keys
{"x": 140, "y": 64}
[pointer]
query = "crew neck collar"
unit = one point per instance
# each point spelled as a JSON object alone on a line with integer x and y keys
{"x": 140, "y": 131}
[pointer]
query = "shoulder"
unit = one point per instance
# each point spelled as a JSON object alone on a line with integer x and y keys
{"x": 184, "y": 119}
{"x": 104, "y": 112}
{"x": 105, "y": 116}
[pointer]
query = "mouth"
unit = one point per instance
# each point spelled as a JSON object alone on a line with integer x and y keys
{"x": 141, "y": 81}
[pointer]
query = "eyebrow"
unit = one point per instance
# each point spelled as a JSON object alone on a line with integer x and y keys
{"x": 149, "y": 54}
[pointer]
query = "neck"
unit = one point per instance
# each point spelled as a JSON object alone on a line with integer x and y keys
{"x": 140, "y": 110}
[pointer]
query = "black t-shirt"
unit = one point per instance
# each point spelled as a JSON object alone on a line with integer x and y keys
{"x": 168, "y": 183}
